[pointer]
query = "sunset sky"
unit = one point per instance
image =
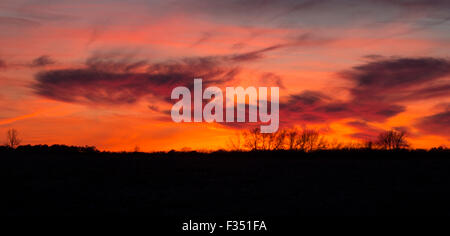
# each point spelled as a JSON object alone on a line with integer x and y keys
{"x": 101, "y": 72}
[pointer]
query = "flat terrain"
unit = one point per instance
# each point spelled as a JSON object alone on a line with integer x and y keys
{"x": 61, "y": 181}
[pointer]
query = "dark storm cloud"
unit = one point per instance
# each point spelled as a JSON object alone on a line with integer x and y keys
{"x": 310, "y": 107}
{"x": 42, "y": 61}
{"x": 390, "y": 111}
{"x": 334, "y": 108}
{"x": 313, "y": 106}
{"x": 379, "y": 87}
{"x": 397, "y": 79}
{"x": 121, "y": 81}
{"x": 437, "y": 124}
{"x": 115, "y": 77}
{"x": 306, "y": 98}
{"x": 89, "y": 85}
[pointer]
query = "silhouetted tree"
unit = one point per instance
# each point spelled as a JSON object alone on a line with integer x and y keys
{"x": 309, "y": 140}
{"x": 334, "y": 145}
{"x": 306, "y": 140}
{"x": 253, "y": 139}
{"x": 392, "y": 139}
{"x": 280, "y": 139}
{"x": 291, "y": 137}
{"x": 273, "y": 141}
{"x": 12, "y": 138}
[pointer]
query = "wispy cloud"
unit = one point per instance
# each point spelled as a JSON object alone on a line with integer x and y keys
{"x": 42, "y": 61}
{"x": 437, "y": 124}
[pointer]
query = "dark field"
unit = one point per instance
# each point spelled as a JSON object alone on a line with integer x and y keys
{"x": 64, "y": 181}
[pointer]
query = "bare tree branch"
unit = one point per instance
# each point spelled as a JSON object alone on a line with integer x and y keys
{"x": 12, "y": 138}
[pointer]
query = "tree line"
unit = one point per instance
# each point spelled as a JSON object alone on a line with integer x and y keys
{"x": 308, "y": 140}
